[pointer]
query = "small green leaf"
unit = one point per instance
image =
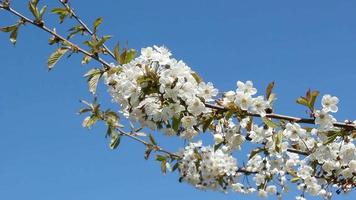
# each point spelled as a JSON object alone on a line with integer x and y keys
{"x": 148, "y": 153}
{"x": 89, "y": 121}
{"x": 102, "y": 41}
{"x": 130, "y": 55}
{"x": 8, "y": 29}
{"x": 97, "y": 23}
{"x": 43, "y": 11}
{"x": 54, "y": 57}
{"x": 164, "y": 167}
{"x": 295, "y": 179}
{"x": 115, "y": 141}
{"x": 269, "y": 122}
{"x": 176, "y": 123}
{"x": 255, "y": 152}
{"x": 93, "y": 82}
{"x": 175, "y": 167}
{"x": 302, "y": 101}
{"x": 207, "y": 123}
{"x": 313, "y": 96}
{"x": 152, "y": 139}
{"x": 61, "y": 12}
{"x": 269, "y": 90}
{"x": 13, "y": 36}
{"x": 117, "y": 52}
{"x": 332, "y": 138}
{"x": 86, "y": 59}
{"x": 33, "y": 8}
{"x": 197, "y": 78}
{"x": 160, "y": 158}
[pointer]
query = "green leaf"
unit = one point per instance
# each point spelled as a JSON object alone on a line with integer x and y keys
{"x": 295, "y": 179}
{"x": 160, "y": 158}
{"x": 152, "y": 139}
{"x": 216, "y": 147}
{"x": 279, "y": 138}
{"x": 130, "y": 55}
{"x": 197, "y": 78}
{"x": 269, "y": 122}
{"x": 86, "y": 59}
{"x": 43, "y": 11}
{"x": 332, "y": 138}
{"x": 54, "y": 57}
{"x": 314, "y": 94}
{"x": 207, "y": 123}
{"x": 148, "y": 153}
{"x": 115, "y": 141}
{"x": 33, "y": 8}
{"x": 93, "y": 82}
{"x": 269, "y": 90}
{"x": 97, "y": 23}
{"x": 13, "y": 36}
{"x": 164, "y": 167}
{"x": 89, "y": 121}
{"x": 61, "y": 12}
{"x": 8, "y": 29}
{"x": 255, "y": 152}
{"x": 302, "y": 101}
{"x": 175, "y": 166}
{"x": 117, "y": 52}
{"x": 176, "y": 123}
{"x": 102, "y": 41}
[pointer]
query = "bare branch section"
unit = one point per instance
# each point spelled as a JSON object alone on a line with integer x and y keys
{"x": 80, "y": 21}
{"x": 74, "y": 47}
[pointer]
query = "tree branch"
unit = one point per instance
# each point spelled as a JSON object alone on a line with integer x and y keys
{"x": 76, "y": 17}
{"x": 285, "y": 117}
{"x": 53, "y": 33}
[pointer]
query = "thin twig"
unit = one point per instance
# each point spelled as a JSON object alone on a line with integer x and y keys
{"x": 155, "y": 147}
{"x": 285, "y": 117}
{"x": 76, "y": 17}
{"x": 53, "y": 33}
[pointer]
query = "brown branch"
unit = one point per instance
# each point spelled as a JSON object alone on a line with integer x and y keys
{"x": 76, "y": 17}
{"x": 155, "y": 147}
{"x": 285, "y": 117}
{"x": 53, "y": 33}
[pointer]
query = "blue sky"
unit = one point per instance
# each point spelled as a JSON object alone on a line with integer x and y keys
{"x": 46, "y": 154}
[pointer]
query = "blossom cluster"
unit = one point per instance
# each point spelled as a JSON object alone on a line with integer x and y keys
{"x": 206, "y": 168}
{"x": 159, "y": 91}
{"x": 163, "y": 93}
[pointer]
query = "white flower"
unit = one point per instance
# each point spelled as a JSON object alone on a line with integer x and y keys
{"x": 246, "y": 88}
{"x": 300, "y": 198}
{"x": 189, "y": 133}
{"x": 207, "y": 91}
{"x": 259, "y": 134}
{"x": 304, "y": 171}
{"x": 259, "y": 106}
{"x": 238, "y": 187}
{"x": 195, "y": 106}
{"x": 294, "y": 132}
{"x": 262, "y": 193}
{"x": 147, "y": 53}
{"x": 271, "y": 189}
{"x": 188, "y": 122}
{"x": 330, "y": 103}
{"x": 243, "y": 100}
{"x": 218, "y": 138}
{"x": 325, "y": 120}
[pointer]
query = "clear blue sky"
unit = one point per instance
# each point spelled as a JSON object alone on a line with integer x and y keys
{"x": 46, "y": 154}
